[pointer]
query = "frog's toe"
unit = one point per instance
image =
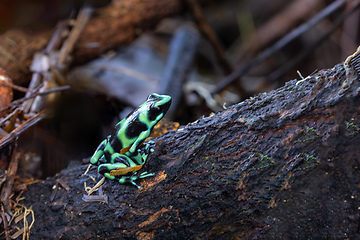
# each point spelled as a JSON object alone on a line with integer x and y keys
{"x": 146, "y": 174}
{"x": 129, "y": 179}
{"x": 133, "y": 183}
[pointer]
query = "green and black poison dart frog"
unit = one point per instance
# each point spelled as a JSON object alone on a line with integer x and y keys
{"x": 119, "y": 156}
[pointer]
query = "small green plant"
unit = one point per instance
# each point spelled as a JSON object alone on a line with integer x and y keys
{"x": 264, "y": 160}
{"x": 309, "y": 162}
{"x": 352, "y": 128}
{"x": 310, "y": 134}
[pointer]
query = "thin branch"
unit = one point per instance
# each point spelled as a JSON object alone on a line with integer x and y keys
{"x": 16, "y": 87}
{"x": 309, "y": 50}
{"x": 6, "y": 228}
{"x": 208, "y": 32}
{"x": 279, "y": 44}
{"x": 55, "y": 40}
{"x": 35, "y": 81}
{"x": 53, "y": 44}
{"x": 20, "y": 129}
{"x": 79, "y": 26}
{"x": 11, "y": 172}
{"x": 57, "y": 89}
{"x": 9, "y": 116}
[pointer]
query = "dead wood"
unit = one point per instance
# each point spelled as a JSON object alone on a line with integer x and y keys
{"x": 281, "y": 165}
{"x": 110, "y": 27}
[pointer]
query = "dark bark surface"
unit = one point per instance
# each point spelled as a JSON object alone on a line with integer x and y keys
{"x": 281, "y": 165}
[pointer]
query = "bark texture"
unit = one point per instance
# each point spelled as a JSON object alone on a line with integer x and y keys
{"x": 281, "y": 165}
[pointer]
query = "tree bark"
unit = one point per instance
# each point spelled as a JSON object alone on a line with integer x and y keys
{"x": 281, "y": 165}
{"x": 112, "y": 26}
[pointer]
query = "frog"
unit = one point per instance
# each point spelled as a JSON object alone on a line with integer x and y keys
{"x": 120, "y": 155}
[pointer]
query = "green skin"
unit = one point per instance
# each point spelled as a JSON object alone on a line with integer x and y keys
{"x": 130, "y": 133}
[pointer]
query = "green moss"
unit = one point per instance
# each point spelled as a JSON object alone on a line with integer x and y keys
{"x": 351, "y": 128}
{"x": 310, "y": 134}
{"x": 197, "y": 142}
{"x": 209, "y": 161}
{"x": 309, "y": 162}
{"x": 264, "y": 161}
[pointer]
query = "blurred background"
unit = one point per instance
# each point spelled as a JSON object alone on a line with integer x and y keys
{"x": 89, "y": 63}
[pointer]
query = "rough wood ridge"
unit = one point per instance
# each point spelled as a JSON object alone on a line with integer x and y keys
{"x": 280, "y": 165}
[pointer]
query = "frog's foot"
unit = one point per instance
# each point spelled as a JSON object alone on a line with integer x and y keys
{"x": 146, "y": 174}
{"x": 131, "y": 179}
{"x": 147, "y": 148}
{"x": 143, "y": 153}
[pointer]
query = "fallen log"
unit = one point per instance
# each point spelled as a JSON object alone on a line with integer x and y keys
{"x": 112, "y": 26}
{"x": 280, "y": 165}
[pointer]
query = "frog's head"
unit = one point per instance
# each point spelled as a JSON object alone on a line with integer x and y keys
{"x": 158, "y": 105}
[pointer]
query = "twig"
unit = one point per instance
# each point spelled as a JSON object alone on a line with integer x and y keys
{"x": 16, "y": 87}
{"x": 97, "y": 185}
{"x": 26, "y": 224}
{"x": 80, "y": 23}
{"x": 101, "y": 197}
{"x": 24, "y": 126}
{"x": 9, "y": 116}
{"x": 66, "y": 48}
{"x": 309, "y": 50}
{"x": 128, "y": 72}
{"x": 21, "y": 213}
{"x": 279, "y": 44}
{"x": 53, "y": 44}
{"x": 6, "y": 229}
{"x": 35, "y": 81}
{"x": 63, "y": 184}
{"x": 55, "y": 40}
{"x": 207, "y": 31}
{"x": 57, "y": 89}
{"x": 7, "y": 189}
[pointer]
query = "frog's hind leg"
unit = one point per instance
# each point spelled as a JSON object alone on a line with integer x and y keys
{"x": 119, "y": 161}
{"x": 122, "y": 169}
{"x": 106, "y": 168}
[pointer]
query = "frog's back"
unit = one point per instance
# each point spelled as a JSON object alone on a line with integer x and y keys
{"x": 126, "y": 132}
{"x": 118, "y": 138}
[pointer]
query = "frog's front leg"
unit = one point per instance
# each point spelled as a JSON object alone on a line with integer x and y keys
{"x": 99, "y": 153}
{"x": 142, "y": 154}
{"x": 131, "y": 179}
